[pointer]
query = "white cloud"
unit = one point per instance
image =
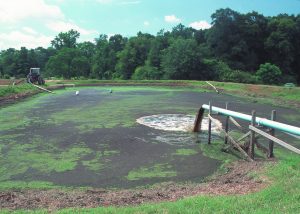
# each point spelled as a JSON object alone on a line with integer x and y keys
{"x": 146, "y": 23}
{"x": 27, "y": 23}
{"x": 16, "y": 10}
{"x": 200, "y": 25}
{"x": 29, "y": 30}
{"x": 105, "y": 1}
{"x": 62, "y": 26}
{"x": 172, "y": 19}
{"x": 129, "y": 2}
{"x": 119, "y": 2}
{"x": 17, "y": 39}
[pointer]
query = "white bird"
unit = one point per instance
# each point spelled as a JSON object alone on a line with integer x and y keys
{"x": 77, "y": 93}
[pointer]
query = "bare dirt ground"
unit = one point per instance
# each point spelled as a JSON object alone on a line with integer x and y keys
{"x": 236, "y": 181}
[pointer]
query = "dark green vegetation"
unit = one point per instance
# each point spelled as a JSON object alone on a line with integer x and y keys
{"x": 248, "y": 48}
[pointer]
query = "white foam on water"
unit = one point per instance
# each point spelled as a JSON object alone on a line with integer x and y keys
{"x": 176, "y": 122}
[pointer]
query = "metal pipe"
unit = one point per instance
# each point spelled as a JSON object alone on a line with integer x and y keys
{"x": 260, "y": 121}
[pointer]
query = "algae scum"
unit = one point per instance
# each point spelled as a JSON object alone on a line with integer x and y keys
{"x": 94, "y": 140}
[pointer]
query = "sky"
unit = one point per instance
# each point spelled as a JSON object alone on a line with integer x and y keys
{"x": 34, "y": 23}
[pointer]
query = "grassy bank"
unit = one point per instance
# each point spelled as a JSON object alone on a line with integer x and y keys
{"x": 274, "y": 93}
{"x": 16, "y": 89}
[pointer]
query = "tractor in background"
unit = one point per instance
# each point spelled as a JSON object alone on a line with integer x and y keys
{"x": 34, "y": 76}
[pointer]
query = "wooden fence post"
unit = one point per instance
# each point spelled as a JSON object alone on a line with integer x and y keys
{"x": 226, "y": 126}
{"x": 209, "y": 124}
{"x": 272, "y": 132}
{"x": 252, "y": 137}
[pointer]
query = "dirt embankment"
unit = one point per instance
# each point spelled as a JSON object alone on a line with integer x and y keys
{"x": 236, "y": 181}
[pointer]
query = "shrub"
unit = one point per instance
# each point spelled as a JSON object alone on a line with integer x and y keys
{"x": 240, "y": 77}
{"x": 6, "y": 76}
{"x": 146, "y": 73}
{"x": 269, "y": 73}
{"x": 226, "y": 74}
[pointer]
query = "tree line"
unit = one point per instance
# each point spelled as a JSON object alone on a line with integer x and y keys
{"x": 247, "y": 48}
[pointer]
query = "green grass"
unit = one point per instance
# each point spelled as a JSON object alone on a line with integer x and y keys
{"x": 291, "y": 117}
{"x": 276, "y": 95}
{"x": 10, "y": 90}
{"x": 155, "y": 171}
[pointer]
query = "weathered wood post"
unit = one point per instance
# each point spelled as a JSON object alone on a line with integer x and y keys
{"x": 252, "y": 137}
{"x": 226, "y": 126}
{"x": 272, "y": 132}
{"x": 209, "y": 124}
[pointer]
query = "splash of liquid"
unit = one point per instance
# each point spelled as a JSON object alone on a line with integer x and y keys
{"x": 176, "y": 122}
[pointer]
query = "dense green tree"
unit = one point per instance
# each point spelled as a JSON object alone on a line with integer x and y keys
{"x": 8, "y": 61}
{"x": 238, "y": 39}
{"x": 42, "y": 56}
{"x": 60, "y": 65}
{"x": 182, "y": 60}
{"x": 22, "y": 63}
{"x": 117, "y": 42}
{"x": 100, "y": 59}
{"x": 134, "y": 54}
{"x": 80, "y": 66}
{"x": 280, "y": 43}
{"x": 66, "y": 39}
{"x": 87, "y": 51}
{"x": 181, "y": 31}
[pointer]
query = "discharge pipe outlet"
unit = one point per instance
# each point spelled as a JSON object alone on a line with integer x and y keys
{"x": 260, "y": 121}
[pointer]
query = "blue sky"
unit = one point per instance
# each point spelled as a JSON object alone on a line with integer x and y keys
{"x": 33, "y": 23}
